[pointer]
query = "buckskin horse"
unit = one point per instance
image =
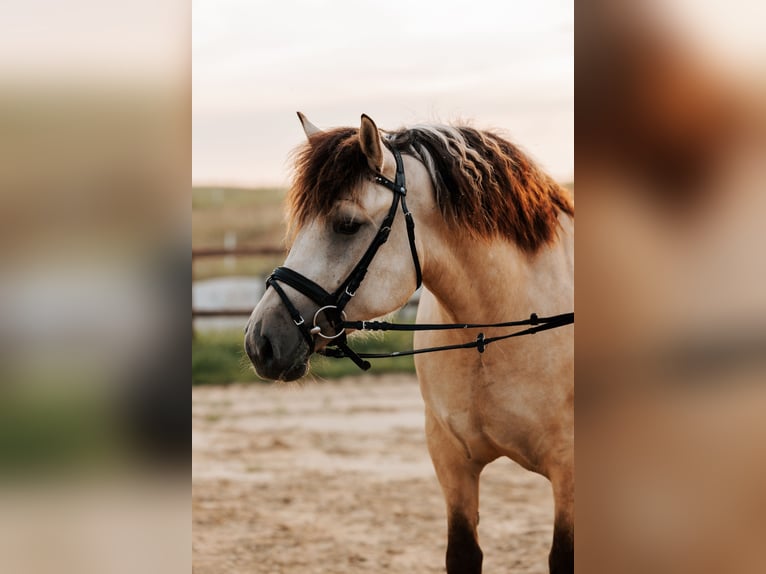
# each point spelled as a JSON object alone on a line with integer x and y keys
{"x": 494, "y": 241}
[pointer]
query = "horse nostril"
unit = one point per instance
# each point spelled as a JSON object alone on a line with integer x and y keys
{"x": 265, "y": 350}
{"x": 259, "y": 349}
{"x": 275, "y": 356}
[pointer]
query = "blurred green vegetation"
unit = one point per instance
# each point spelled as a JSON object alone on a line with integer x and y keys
{"x": 61, "y": 431}
{"x": 219, "y": 358}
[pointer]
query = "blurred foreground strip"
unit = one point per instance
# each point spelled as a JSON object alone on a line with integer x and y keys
{"x": 671, "y": 287}
{"x": 98, "y": 526}
{"x": 94, "y": 275}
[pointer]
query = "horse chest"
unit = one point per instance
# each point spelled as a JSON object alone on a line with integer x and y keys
{"x": 476, "y": 406}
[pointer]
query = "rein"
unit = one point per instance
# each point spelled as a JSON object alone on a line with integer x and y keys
{"x": 480, "y": 343}
{"x": 332, "y": 304}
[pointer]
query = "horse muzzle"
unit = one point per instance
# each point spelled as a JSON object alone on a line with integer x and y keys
{"x": 278, "y": 353}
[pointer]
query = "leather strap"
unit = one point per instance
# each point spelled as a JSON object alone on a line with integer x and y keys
{"x": 302, "y": 284}
{"x": 562, "y": 319}
{"x": 295, "y": 315}
{"x": 337, "y": 300}
{"x": 480, "y": 343}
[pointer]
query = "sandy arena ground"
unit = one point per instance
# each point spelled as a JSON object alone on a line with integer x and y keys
{"x": 335, "y": 478}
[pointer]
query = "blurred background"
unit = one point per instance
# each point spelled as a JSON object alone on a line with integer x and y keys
{"x": 670, "y": 286}
{"x": 507, "y": 66}
{"x": 94, "y": 270}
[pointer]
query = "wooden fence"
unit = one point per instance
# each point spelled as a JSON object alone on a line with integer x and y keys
{"x": 224, "y": 252}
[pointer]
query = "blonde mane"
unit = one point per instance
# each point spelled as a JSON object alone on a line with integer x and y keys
{"x": 484, "y": 185}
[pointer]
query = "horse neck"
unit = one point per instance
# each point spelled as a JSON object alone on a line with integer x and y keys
{"x": 475, "y": 281}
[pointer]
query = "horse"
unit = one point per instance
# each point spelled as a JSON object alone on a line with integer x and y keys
{"x": 494, "y": 240}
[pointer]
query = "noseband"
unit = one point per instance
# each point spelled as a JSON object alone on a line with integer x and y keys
{"x": 332, "y": 304}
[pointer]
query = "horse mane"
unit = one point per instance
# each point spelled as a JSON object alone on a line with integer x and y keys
{"x": 483, "y": 184}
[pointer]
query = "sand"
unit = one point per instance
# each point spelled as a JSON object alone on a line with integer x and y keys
{"x": 334, "y": 477}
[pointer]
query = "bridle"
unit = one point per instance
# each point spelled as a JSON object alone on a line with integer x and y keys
{"x": 332, "y": 305}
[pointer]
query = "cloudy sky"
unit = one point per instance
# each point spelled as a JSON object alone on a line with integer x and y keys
{"x": 501, "y": 64}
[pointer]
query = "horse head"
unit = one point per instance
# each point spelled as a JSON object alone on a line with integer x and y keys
{"x": 337, "y": 208}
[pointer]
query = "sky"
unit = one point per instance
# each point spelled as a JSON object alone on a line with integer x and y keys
{"x": 507, "y": 65}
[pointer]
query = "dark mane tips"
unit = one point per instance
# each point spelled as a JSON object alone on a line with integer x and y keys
{"x": 330, "y": 164}
{"x": 484, "y": 185}
{"x": 487, "y": 186}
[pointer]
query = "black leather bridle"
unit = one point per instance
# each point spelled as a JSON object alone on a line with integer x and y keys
{"x": 332, "y": 304}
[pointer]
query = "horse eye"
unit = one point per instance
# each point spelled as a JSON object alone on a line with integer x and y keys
{"x": 346, "y": 227}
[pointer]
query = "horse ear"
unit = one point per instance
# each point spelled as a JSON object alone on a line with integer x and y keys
{"x": 308, "y": 128}
{"x": 372, "y": 145}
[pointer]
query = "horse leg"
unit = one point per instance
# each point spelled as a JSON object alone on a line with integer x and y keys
{"x": 459, "y": 479}
{"x": 561, "y": 558}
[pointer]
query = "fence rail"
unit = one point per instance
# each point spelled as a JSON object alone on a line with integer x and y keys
{"x": 221, "y": 312}
{"x": 223, "y": 252}
{"x": 201, "y": 252}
